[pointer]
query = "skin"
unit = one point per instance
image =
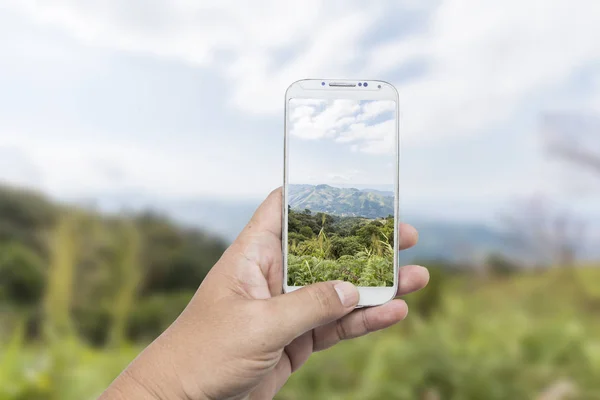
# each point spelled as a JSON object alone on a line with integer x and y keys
{"x": 240, "y": 338}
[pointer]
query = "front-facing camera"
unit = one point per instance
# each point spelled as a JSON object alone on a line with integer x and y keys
{"x": 322, "y": 83}
{"x": 365, "y": 84}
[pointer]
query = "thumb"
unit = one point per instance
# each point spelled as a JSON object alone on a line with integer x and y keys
{"x": 312, "y": 306}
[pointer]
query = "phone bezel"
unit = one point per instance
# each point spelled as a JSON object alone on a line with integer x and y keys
{"x": 314, "y": 89}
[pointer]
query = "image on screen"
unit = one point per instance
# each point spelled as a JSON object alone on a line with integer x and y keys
{"x": 341, "y": 169}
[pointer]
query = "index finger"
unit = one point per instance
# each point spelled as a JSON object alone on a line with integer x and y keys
{"x": 408, "y": 236}
{"x": 267, "y": 217}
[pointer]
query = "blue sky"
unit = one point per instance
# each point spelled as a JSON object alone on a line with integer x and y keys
{"x": 342, "y": 142}
{"x": 184, "y": 99}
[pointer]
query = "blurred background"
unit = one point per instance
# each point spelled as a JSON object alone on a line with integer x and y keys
{"x": 137, "y": 137}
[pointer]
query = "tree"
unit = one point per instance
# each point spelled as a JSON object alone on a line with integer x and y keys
{"x": 128, "y": 278}
{"x": 22, "y": 275}
{"x": 307, "y": 232}
{"x": 501, "y": 265}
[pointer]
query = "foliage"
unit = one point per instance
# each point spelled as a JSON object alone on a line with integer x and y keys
{"x": 174, "y": 258}
{"x": 155, "y": 313}
{"x": 501, "y": 265}
{"x": 128, "y": 277}
{"x": 61, "y": 273}
{"x": 506, "y": 339}
{"x": 81, "y": 271}
{"x": 26, "y": 218}
{"x": 113, "y": 283}
{"x": 430, "y": 300}
{"x": 21, "y": 275}
{"x": 328, "y": 247}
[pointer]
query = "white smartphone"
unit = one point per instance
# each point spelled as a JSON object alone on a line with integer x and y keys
{"x": 340, "y": 190}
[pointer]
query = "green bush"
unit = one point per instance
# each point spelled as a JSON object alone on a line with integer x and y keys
{"x": 307, "y": 232}
{"x": 152, "y": 315}
{"x": 492, "y": 343}
{"x": 22, "y": 275}
{"x": 428, "y": 301}
{"x": 354, "y": 249}
{"x": 345, "y": 246}
{"x": 501, "y": 265}
{"x": 363, "y": 270}
{"x": 378, "y": 271}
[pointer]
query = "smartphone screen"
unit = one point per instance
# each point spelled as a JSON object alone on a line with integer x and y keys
{"x": 341, "y": 174}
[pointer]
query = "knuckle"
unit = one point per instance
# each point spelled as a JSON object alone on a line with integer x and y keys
{"x": 365, "y": 321}
{"x": 341, "y": 330}
{"x": 265, "y": 315}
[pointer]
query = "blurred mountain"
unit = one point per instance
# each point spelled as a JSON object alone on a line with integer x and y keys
{"x": 346, "y": 202}
{"x": 455, "y": 240}
{"x": 438, "y": 239}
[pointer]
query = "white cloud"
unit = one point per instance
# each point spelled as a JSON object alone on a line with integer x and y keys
{"x": 346, "y": 121}
{"x": 302, "y": 112}
{"x": 383, "y": 146}
{"x": 309, "y": 102}
{"x": 240, "y": 40}
{"x": 333, "y": 177}
{"x": 321, "y": 121}
{"x": 486, "y": 61}
{"x": 372, "y": 139}
{"x": 373, "y": 109}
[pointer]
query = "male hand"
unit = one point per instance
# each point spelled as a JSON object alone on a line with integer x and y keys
{"x": 239, "y": 337}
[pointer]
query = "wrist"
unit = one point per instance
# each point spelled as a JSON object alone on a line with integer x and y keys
{"x": 150, "y": 376}
{"x": 127, "y": 386}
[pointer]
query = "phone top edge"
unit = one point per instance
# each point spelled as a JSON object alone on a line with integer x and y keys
{"x": 376, "y": 89}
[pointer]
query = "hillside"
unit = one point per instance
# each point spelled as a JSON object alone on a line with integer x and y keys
{"x": 346, "y": 202}
{"x": 452, "y": 240}
{"x": 167, "y": 261}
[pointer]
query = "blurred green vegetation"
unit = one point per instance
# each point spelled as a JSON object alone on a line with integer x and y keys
{"x": 468, "y": 338}
{"x": 81, "y": 294}
{"x": 105, "y": 279}
{"x": 329, "y": 247}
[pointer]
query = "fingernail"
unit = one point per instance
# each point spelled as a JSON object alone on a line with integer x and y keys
{"x": 348, "y": 293}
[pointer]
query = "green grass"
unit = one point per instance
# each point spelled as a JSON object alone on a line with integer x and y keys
{"x": 499, "y": 339}
{"x": 324, "y": 247}
{"x": 66, "y": 370}
{"x": 502, "y": 338}
{"x": 363, "y": 270}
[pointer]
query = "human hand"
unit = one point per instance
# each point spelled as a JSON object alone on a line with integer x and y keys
{"x": 239, "y": 337}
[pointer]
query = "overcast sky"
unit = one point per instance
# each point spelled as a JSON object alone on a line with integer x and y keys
{"x": 180, "y": 98}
